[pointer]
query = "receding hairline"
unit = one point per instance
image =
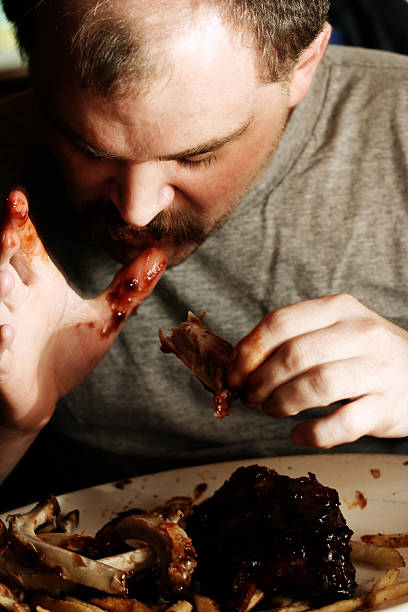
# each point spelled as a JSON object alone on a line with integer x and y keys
{"x": 135, "y": 37}
{"x": 145, "y": 33}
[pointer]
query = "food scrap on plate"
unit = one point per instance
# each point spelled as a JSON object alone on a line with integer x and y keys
{"x": 261, "y": 542}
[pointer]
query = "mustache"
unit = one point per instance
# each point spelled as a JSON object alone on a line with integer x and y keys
{"x": 181, "y": 226}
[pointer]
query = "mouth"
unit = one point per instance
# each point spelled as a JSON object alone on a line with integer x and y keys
{"x": 178, "y": 234}
{"x": 131, "y": 235}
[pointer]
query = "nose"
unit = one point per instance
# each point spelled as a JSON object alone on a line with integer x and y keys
{"x": 140, "y": 191}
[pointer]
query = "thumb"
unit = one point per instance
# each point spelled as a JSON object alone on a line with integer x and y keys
{"x": 130, "y": 287}
{"x": 19, "y": 239}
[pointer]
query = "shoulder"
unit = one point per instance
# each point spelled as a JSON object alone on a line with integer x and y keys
{"x": 370, "y": 83}
{"x": 368, "y": 67}
{"x": 369, "y": 59}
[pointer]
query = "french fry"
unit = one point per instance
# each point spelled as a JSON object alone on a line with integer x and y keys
{"x": 344, "y": 605}
{"x": 281, "y": 601}
{"x": 180, "y": 606}
{"x": 387, "y": 579}
{"x": 380, "y": 556}
{"x": 40, "y": 600}
{"x": 389, "y": 540}
{"x": 255, "y": 599}
{"x": 394, "y": 591}
{"x": 295, "y": 606}
{"x": 117, "y": 604}
{"x": 205, "y": 604}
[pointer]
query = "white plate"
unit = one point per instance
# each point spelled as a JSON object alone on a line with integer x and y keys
{"x": 379, "y": 480}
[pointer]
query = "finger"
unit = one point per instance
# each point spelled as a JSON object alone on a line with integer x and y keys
{"x": 334, "y": 343}
{"x": 13, "y": 293}
{"x": 20, "y": 238}
{"x": 7, "y": 361}
{"x": 7, "y": 283}
{"x": 130, "y": 287}
{"x": 9, "y": 246}
{"x": 281, "y": 325}
{"x": 363, "y": 416}
{"x": 323, "y": 385}
{"x": 7, "y": 335}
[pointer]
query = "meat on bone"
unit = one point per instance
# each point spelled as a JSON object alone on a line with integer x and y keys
{"x": 207, "y": 356}
{"x": 269, "y": 533}
{"x": 36, "y": 558}
{"x": 174, "y": 549}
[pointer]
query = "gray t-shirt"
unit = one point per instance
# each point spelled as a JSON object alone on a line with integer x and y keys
{"x": 328, "y": 215}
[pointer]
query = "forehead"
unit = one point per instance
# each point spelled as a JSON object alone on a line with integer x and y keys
{"x": 210, "y": 86}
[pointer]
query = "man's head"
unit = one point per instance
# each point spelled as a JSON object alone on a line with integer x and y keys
{"x": 163, "y": 114}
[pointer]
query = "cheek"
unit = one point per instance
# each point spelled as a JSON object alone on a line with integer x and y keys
{"x": 226, "y": 179}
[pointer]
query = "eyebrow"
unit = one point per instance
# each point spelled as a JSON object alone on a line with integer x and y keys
{"x": 208, "y": 147}
{"x": 77, "y": 140}
{"x": 211, "y": 145}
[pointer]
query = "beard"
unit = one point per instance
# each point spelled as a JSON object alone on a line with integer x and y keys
{"x": 177, "y": 233}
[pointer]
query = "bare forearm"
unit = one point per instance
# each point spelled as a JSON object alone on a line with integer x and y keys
{"x": 13, "y": 445}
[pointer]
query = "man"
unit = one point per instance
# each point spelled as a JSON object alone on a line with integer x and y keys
{"x": 216, "y": 137}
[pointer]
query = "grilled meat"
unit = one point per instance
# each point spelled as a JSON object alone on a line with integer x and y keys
{"x": 206, "y": 354}
{"x": 274, "y": 533}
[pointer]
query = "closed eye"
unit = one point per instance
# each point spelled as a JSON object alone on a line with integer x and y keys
{"x": 196, "y": 163}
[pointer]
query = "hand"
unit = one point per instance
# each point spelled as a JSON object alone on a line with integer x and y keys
{"x": 322, "y": 351}
{"x": 50, "y": 337}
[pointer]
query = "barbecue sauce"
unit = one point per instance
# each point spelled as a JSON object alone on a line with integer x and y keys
{"x": 275, "y": 533}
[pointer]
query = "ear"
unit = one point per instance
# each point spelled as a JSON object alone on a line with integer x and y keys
{"x": 306, "y": 66}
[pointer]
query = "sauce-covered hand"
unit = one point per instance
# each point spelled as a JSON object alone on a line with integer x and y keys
{"x": 50, "y": 337}
{"x": 322, "y": 351}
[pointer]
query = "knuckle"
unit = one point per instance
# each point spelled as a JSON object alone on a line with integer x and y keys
{"x": 344, "y": 300}
{"x": 327, "y": 432}
{"x": 292, "y": 398}
{"x": 279, "y": 322}
{"x": 244, "y": 350}
{"x": 320, "y": 438}
{"x": 371, "y": 328}
{"x": 286, "y": 403}
{"x": 321, "y": 382}
{"x": 351, "y": 421}
{"x": 292, "y": 355}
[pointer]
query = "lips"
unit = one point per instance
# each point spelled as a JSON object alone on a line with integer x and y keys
{"x": 137, "y": 238}
{"x": 129, "y": 234}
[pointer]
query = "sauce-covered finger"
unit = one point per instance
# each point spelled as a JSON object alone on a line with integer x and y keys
{"x": 17, "y": 220}
{"x": 9, "y": 245}
{"x": 130, "y": 287}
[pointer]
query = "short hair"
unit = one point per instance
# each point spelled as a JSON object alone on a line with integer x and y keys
{"x": 108, "y": 58}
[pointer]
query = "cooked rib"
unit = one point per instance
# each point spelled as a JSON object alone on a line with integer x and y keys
{"x": 171, "y": 544}
{"x": 265, "y": 532}
{"x": 40, "y": 560}
{"x": 207, "y": 355}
